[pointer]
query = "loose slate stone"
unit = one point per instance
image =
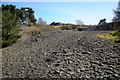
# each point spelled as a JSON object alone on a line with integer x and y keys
{"x": 54, "y": 72}
{"x": 87, "y": 52}
{"x": 49, "y": 56}
{"x": 48, "y": 60}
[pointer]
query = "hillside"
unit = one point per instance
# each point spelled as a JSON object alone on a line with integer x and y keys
{"x": 62, "y": 54}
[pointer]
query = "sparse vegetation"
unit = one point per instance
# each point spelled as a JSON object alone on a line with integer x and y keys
{"x": 48, "y": 29}
{"x": 83, "y": 26}
{"x": 56, "y": 26}
{"x": 42, "y": 25}
{"x": 35, "y": 30}
{"x": 113, "y": 36}
{"x": 117, "y": 33}
{"x": 32, "y": 30}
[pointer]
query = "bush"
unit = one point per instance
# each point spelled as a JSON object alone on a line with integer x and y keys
{"x": 68, "y": 27}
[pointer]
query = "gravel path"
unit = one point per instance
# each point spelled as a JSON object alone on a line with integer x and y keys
{"x": 62, "y": 54}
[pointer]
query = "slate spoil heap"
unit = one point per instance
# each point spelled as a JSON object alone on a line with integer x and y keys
{"x": 62, "y": 54}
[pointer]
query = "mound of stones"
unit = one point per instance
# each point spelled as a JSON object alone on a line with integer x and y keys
{"x": 62, "y": 54}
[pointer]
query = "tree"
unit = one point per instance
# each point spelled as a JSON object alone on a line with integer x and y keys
{"x": 10, "y": 26}
{"x": 27, "y": 16}
{"x": 40, "y": 20}
{"x": 102, "y": 21}
{"x": 12, "y": 17}
{"x": 41, "y": 23}
{"x": 117, "y": 13}
{"x": 79, "y": 22}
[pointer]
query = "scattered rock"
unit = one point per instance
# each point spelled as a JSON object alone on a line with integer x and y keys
{"x": 56, "y": 65}
{"x": 87, "y": 52}
{"x": 83, "y": 69}
{"x": 71, "y": 72}
{"x": 54, "y": 72}
{"x": 48, "y": 60}
{"x": 78, "y": 70}
{"x": 62, "y": 54}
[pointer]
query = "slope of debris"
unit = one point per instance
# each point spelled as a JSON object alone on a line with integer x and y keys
{"x": 62, "y": 54}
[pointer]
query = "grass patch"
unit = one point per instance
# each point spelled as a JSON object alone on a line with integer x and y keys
{"x": 48, "y": 29}
{"x": 82, "y": 27}
{"x": 112, "y": 36}
{"x": 56, "y": 26}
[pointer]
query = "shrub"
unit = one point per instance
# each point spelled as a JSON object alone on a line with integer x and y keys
{"x": 68, "y": 27}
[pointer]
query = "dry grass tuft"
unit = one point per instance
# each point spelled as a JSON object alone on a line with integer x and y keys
{"x": 32, "y": 31}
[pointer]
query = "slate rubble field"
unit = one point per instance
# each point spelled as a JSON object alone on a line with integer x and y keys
{"x": 62, "y": 54}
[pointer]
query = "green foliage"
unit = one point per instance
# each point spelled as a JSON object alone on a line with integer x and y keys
{"x": 0, "y": 15}
{"x": 10, "y": 28}
{"x": 116, "y": 18}
{"x": 12, "y": 18}
{"x": 117, "y": 13}
{"x": 10, "y": 25}
{"x": 27, "y": 16}
{"x": 0, "y": 26}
